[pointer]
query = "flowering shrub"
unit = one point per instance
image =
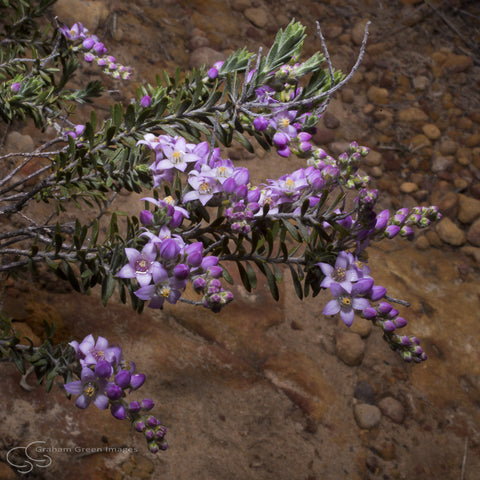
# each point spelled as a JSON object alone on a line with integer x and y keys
{"x": 202, "y": 215}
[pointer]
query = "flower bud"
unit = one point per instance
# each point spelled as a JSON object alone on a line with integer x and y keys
{"x": 15, "y": 87}
{"x": 150, "y": 435}
{"x": 146, "y": 101}
{"x": 260, "y": 123}
{"x": 151, "y": 421}
{"x": 134, "y": 407}
{"x": 400, "y": 322}
{"x": 103, "y": 369}
{"x": 384, "y": 307}
{"x": 118, "y": 411}
{"x": 181, "y": 271}
{"x": 147, "y": 404}
{"x": 137, "y": 380}
{"x": 199, "y": 284}
{"x": 146, "y": 217}
{"x": 122, "y": 378}
{"x": 139, "y": 426}
{"x": 369, "y": 313}
{"x": 389, "y": 326}
{"x": 114, "y": 392}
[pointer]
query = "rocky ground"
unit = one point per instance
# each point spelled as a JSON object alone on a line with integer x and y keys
{"x": 275, "y": 390}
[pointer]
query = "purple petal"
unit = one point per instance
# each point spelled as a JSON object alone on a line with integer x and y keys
{"x": 126, "y": 272}
{"x": 75, "y": 388}
{"x": 101, "y": 401}
{"x": 360, "y": 303}
{"x": 83, "y": 401}
{"x": 331, "y": 308}
{"x": 347, "y": 317}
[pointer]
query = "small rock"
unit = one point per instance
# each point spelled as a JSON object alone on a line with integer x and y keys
{"x": 6, "y": 473}
{"x": 348, "y": 95}
{"x": 373, "y": 158}
{"x": 378, "y": 95}
{"x": 420, "y": 82}
{"x": 362, "y": 327}
{"x": 431, "y": 131}
{"x": 258, "y": 16}
{"x": 240, "y": 5}
{"x": 358, "y": 32}
{"x": 442, "y": 164}
{"x": 457, "y": 63}
{"x": 330, "y": 121}
{"x": 364, "y": 392}
{"x": 451, "y": 234}
{"x": 392, "y": 408}
{"x": 198, "y": 41}
{"x": 447, "y": 201}
{"x": 350, "y": 348}
{"x": 422, "y": 242}
{"x": 448, "y": 147}
{"x": 473, "y": 252}
{"x": 367, "y": 416}
{"x": 205, "y": 56}
{"x": 408, "y": 187}
{"x": 473, "y": 235}
{"x": 473, "y": 140}
{"x": 468, "y": 208}
{"x": 332, "y": 30}
{"x": 386, "y": 450}
{"x": 16, "y": 142}
{"x": 412, "y": 114}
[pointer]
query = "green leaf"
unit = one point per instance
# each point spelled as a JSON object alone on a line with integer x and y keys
{"x": 252, "y": 278}
{"x": 244, "y": 277}
{"x": 108, "y": 287}
{"x": 296, "y": 282}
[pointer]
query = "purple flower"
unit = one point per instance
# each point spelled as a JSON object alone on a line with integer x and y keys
{"x": 177, "y": 154}
{"x": 90, "y": 388}
{"x": 114, "y": 392}
{"x": 94, "y": 352}
{"x": 342, "y": 274}
{"x": 141, "y": 265}
{"x": 15, "y": 87}
{"x": 204, "y": 184}
{"x": 346, "y": 302}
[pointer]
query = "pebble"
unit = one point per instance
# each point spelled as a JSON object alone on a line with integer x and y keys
{"x": 408, "y": 187}
{"x": 447, "y": 201}
{"x": 362, "y": 327}
{"x": 473, "y": 140}
{"x": 442, "y": 164}
{"x": 367, "y": 416}
{"x": 392, "y": 408}
{"x": 364, "y": 392}
{"x": 412, "y": 114}
{"x": 431, "y": 131}
{"x": 350, "y": 348}
{"x": 16, "y": 142}
{"x": 457, "y": 63}
{"x": 473, "y": 252}
{"x": 451, "y": 234}
{"x": 373, "y": 158}
{"x": 422, "y": 242}
{"x": 258, "y": 16}
{"x": 378, "y": 95}
{"x": 448, "y": 147}
{"x": 348, "y": 95}
{"x": 420, "y": 82}
{"x": 358, "y": 32}
{"x": 330, "y": 120}
{"x": 468, "y": 209}
{"x": 473, "y": 234}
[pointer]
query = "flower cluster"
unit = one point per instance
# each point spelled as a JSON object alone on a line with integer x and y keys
{"x": 352, "y": 287}
{"x": 166, "y": 263}
{"x": 95, "y": 51}
{"x": 105, "y": 380}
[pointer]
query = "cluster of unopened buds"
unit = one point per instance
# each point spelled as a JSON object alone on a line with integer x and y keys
{"x": 95, "y": 51}
{"x": 105, "y": 380}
